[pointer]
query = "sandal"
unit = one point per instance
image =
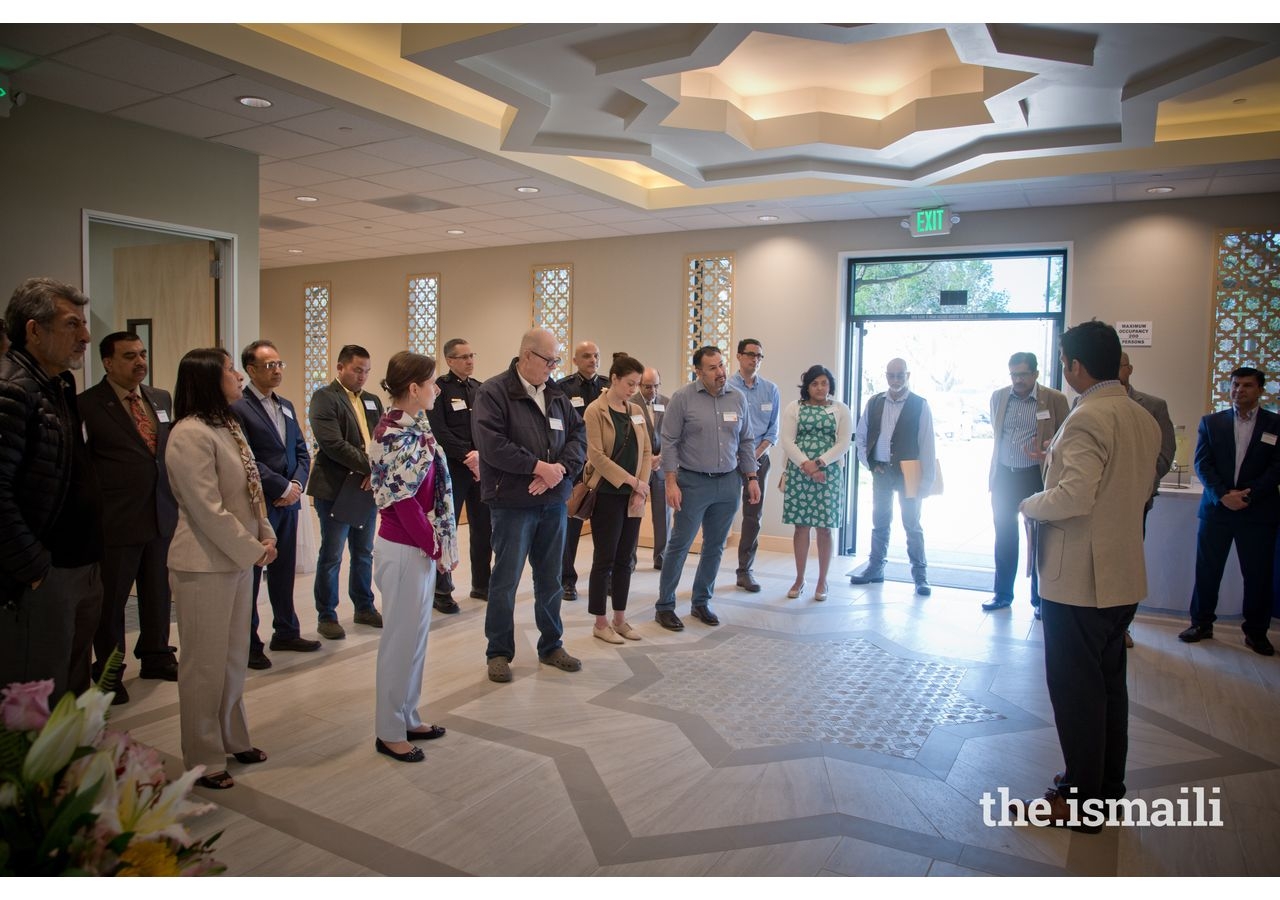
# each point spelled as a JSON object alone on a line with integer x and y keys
{"x": 250, "y": 756}
{"x": 432, "y": 732}
{"x": 218, "y": 781}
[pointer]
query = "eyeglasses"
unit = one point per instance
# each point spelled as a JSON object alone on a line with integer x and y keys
{"x": 1020, "y": 376}
{"x": 271, "y": 366}
{"x": 895, "y": 376}
{"x": 753, "y": 354}
{"x": 552, "y": 363}
{"x": 464, "y": 356}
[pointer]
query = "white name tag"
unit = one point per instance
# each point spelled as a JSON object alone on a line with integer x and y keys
{"x": 371, "y": 404}
{"x": 1267, "y": 438}
{"x": 659, "y": 407}
{"x": 284, "y": 409}
{"x": 556, "y": 424}
{"x": 575, "y": 402}
{"x": 1042, "y": 414}
{"x": 162, "y": 415}
{"x": 84, "y": 432}
{"x": 730, "y": 416}
{"x": 458, "y": 404}
{"x": 638, "y": 419}
{"x": 766, "y": 407}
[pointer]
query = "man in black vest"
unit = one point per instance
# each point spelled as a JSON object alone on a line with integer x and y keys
{"x": 896, "y": 428}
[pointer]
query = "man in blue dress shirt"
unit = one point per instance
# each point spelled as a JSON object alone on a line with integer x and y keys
{"x": 763, "y": 405}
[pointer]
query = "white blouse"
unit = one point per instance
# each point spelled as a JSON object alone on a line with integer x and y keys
{"x": 790, "y": 421}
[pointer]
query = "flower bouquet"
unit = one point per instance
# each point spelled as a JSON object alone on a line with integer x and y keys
{"x": 77, "y": 799}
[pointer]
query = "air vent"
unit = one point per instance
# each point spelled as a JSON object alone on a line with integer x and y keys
{"x": 412, "y": 203}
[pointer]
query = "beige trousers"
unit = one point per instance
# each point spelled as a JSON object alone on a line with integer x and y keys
{"x": 213, "y": 625}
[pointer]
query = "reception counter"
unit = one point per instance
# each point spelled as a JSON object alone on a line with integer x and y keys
{"x": 1171, "y": 556}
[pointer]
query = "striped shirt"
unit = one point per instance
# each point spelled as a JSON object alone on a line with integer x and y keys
{"x": 1018, "y": 431}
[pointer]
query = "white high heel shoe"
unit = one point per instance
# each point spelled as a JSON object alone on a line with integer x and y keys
{"x": 795, "y": 591}
{"x": 820, "y": 594}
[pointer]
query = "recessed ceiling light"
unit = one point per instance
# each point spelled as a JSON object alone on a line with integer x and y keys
{"x": 455, "y": 231}
{"x": 526, "y": 189}
{"x": 767, "y": 218}
{"x": 254, "y": 102}
{"x": 294, "y": 250}
{"x": 303, "y": 198}
{"x": 1162, "y": 189}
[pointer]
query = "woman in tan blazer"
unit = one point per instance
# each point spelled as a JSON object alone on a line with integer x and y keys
{"x": 222, "y": 534}
{"x": 618, "y": 464}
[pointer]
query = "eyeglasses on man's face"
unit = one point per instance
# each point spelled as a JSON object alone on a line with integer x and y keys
{"x": 464, "y": 356}
{"x": 752, "y": 353}
{"x": 552, "y": 362}
{"x": 275, "y": 364}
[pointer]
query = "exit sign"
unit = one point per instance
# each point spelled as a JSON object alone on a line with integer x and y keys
{"x": 927, "y": 222}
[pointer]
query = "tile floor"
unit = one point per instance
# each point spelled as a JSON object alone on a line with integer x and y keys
{"x": 851, "y": 737}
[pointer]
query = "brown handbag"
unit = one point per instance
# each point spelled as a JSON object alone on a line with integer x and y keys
{"x": 582, "y": 500}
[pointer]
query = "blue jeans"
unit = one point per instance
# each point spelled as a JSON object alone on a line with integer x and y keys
{"x": 710, "y": 503}
{"x": 533, "y": 533}
{"x": 333, "y": 534}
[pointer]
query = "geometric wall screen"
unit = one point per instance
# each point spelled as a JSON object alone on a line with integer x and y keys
{"x": 315, "y": 342}
{"x": 553, "y": 308}
{"x": 424, "y": 313}
{"x": 1246, "y": 310}
{"x": 708, "y": 304}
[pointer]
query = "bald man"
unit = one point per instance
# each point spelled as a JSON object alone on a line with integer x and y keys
{"x": 582, "y": 388}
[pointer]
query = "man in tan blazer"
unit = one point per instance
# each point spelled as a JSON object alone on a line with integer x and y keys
{"x": 1100, "y": 468}
{"x": 1024, "y": 418}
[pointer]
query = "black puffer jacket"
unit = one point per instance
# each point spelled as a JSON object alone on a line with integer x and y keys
{"x": 35, "y": 459}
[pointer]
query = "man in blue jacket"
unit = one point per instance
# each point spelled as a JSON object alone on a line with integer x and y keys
{"x": 532, "y": 446}
{"x": 1238, "y": 462}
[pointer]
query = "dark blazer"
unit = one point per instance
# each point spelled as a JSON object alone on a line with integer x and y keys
{"x": 278, "y": 462}
{"x": 339, "y": 444}
{"x": 1216, "y": 465}
{"x": 137, "y": 503}
{"x": 450, "y": 417}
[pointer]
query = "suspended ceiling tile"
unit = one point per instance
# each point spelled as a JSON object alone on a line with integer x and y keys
{"x": 139, "y": 64}
{"x": 477, "y": 171}
{"x": 46, "y": 40}
{"x": 556, "y": 220}
{"x": 591, "y": 232}
{"x": 318, "y": 216}
{"x": 572, "y": 203}
{"x": 1070, "y": 196}
{"x": 353, "y": 189}
{"x": 469, "y": 196}
{"x": 994, "y": 200}
{"x": 352, "y": 163}
{"x": 514, "y": 208}
{"x": 610, "y": 215}
{"x": 504, "y": 226}
{"x": 172, "y": 114}
{"x": 1247, "y": 184}
{"x": 646, "y": 226}
{"x": 414, "y": 180}
{"x": 342, "y": 128}
{"x": 65, "y": 84}
{"x": 296, "y": 174}
{"x": 546, "y": 187}
{"x": 713, "y": 220}
{"x": 362, "y": 209}
{"x": 1195, "y": 187}
{"x": 221, "y": 95}
{"x": 416, "y": 151}
{"x": 274, "y": 141}
{"x": 458, "y": 216}
{"x": 367, "y": 226}
{"x": 835, "y": 212}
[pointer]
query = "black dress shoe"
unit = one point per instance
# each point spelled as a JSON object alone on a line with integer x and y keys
{"x": 657, "y": 564}
{"x": 748, "y": 583}
{"x": 296, "y": 644}
{"x": 705, "y": 615}
{"x": 446, "y": 604}
{"x": 432, "y": 732}
{"x": 1196, "y": 633}
{"x": 121, "y": 695}
{"x": 414, "y": 755}
{"x": 997, "y": 603}
{"x": 867, "y": 578}
{"x": 480, "y": 594}
{"x": 1258, "y": 643}
{"x": 165, "y": 671}
{"x": 570, "y": 594}
{"x": 258, "y": 659}
{"x": 669, "y": 620}
{"x": 923, "y": 589}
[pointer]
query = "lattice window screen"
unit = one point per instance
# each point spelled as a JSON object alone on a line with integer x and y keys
{"x": 708, "y": 303}
{"x": 553, "y": 308}
{"x": 315, "y": 333}
{"x": 1246, "y": 310}
{"x": 424, "y": 313}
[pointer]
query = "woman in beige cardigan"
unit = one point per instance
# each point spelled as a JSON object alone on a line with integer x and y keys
{"x": 222, "y": 534}
{"x": 618, "y": 464}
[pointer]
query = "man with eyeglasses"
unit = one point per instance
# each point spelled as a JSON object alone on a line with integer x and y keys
{"x": 896, "y": 427}
{"x": 532, "y": 445}
{"x": 582, "y": 388}
{"x": 1024, "y": 418}
{"x": 270, "y": 426}
{"x": 654, "y": 403}
{"x": 450, "y": 419}
{"x": 763, "y": 407}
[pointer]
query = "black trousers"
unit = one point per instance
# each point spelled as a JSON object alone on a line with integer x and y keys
{"x": 466, "y": 492}
{"x": 568, "y": 571}
{"x": 613, "y": 535}
{"x": 147, "y": 565}
{"x": 1085, "y": 668}
{"x": 1009, "y": 488}
{"x": 1255, "y": 547}
{"x": 280, "y": 577}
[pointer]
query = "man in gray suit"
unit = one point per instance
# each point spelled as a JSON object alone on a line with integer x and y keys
{"x": 1024, "y": 418}
{"x": 1160, "y": 412}
{"x": 654, "y": 404}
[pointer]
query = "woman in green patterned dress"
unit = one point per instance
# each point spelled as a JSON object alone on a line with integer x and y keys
{"x": 816, "y": 432}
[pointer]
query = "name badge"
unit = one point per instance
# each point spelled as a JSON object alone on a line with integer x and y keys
{"x": 575, "y": 402}
{"x": 659, "y": 407}
{"x": 729, "y": 416}
{"x": 458, "y": 404}
{"x": 1267, "y": 438}
{"x": 163, "y": 416}
{"x": 371, "y": 404}
{"x": 556, "y": 424}
{"x": 766, "y": 407}
{"x": 638, "y": 419}
{"x": 84, "y": 432}
{"x": 1042, "y": 414}
{"x": 284, "y": 409}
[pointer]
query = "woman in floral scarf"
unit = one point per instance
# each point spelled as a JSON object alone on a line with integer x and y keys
{"x": 416, "y": 538}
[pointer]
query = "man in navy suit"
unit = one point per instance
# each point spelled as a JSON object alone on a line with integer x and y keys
{"x": 270, "y": 425}
{"x": 1238, "y": 462}
{"x": 127, "y": 424}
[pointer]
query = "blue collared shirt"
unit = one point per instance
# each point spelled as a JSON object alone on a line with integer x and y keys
{"x": 763, "y": 406}
{"x": 707, "y": 433}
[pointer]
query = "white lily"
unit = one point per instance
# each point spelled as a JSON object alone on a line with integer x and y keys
{"x": 94, "y": 704}
{"x": 55, "y": 744}
{"x": 150, "y": 815}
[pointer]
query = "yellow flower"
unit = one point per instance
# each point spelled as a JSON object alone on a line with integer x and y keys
{"x": 149, "y": 858}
